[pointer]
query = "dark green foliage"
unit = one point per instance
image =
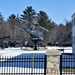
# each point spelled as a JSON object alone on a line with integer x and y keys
{"x": 44, "y": 20}
{"x": 12, "y": 19}
{"x": 66, "y": 43}
{"x": 28, "y": 14}
{"x": 1, "y": 17}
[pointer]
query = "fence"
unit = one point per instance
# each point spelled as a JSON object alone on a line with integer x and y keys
{"x": 67, "y": 64}
{"x": 23, "y": 65}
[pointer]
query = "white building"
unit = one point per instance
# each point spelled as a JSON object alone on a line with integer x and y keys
{"x": 73, "y": 33}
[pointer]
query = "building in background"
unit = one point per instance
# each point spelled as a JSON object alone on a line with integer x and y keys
{"x": 73, "y": 33}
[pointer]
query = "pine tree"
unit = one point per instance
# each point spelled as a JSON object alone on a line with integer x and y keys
{"x": 28, "y": 15}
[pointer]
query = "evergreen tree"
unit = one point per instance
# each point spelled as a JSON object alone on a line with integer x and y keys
{"x": 43, "y": 19}
{"x": 12, "y": 21}
{"x": 1, "y": 18}
{"x": 1, "y": 25}
{"x": 28, "y": 15}
{"x": 45, "y": 22}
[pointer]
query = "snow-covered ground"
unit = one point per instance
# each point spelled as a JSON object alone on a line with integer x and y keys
{"x": 53, "y": 47}
{"x": 20, "y": 70}
{"x": 65, "y": 49}
{"x": 17, "y": 51}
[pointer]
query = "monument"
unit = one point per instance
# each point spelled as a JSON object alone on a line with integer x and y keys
{"x": 36, "y": 35}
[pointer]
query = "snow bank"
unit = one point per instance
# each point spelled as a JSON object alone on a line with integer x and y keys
{"x": 67, "y": 49}
{"x": 54, "y": 47}
{"x": 17, "y": 51}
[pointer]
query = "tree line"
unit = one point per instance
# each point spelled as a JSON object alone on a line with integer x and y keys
{"x": 57, "y": 34}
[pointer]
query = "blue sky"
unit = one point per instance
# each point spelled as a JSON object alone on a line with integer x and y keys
{"x": 57, "y": 10}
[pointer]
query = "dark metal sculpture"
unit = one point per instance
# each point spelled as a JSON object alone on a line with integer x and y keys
{"x": 35, "y": 34}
